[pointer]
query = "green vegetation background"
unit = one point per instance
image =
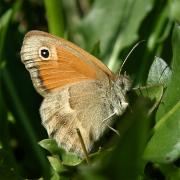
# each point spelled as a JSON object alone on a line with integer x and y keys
{"x": 149, "y": 145}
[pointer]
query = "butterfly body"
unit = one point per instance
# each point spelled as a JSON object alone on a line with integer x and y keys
{"x": 79, "y": 91}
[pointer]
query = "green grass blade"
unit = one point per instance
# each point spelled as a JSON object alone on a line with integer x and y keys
{"x": 55, "y": 17}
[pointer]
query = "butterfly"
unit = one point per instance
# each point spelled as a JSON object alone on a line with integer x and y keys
{"x": 79, "y": 91}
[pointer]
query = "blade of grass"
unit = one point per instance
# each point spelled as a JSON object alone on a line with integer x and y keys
{"x": 153, "y": 45}
{"x": 24, "y": 120}
{"x": 9, "y": 166}
{"x": 4, "y": 23}
{"x": 5, "y": 77}
{"x": 55, "y": 17}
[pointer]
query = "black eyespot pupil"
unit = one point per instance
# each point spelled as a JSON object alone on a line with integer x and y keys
{"x": 45, "y": 53}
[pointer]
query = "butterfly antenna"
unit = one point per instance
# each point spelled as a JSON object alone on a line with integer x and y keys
{"x": 133, "y": 48}
{"x": 83, "y": 145}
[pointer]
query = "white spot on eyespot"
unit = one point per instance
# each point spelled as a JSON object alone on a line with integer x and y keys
{"x": 44, "y": 53}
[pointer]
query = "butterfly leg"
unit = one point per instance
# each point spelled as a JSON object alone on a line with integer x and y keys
{"x": 111, "y": 128}
{"x": 83, "y": 145}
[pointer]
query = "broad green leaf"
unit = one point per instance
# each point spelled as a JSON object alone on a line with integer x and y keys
{"x": 70, "y": 159}
{"x": 159, "y": 72}
{"x": 50, "y": 145}
{"x": 124, "y": 161}
{"x": 56, "y": 164}
{"x": 126, "y": 157}
{"x": 113, "y": 24}
{"x": 164, "y": 146}
{"x": 172, "y": 94}
{"x": 67, "y": 158}
{"x": 154, "y": 92}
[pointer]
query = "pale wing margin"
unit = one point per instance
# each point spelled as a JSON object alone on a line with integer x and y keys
{"x": 82, "y": 105}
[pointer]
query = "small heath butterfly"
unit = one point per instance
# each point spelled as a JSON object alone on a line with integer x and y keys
{"x": 79, "y": 91}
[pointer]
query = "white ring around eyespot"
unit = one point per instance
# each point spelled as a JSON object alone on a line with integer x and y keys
{"x": 46, "y": 48}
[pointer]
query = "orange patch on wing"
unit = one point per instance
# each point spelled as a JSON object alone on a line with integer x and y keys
{"x": 67, "y": 69}
{"x": 88, "y": 56}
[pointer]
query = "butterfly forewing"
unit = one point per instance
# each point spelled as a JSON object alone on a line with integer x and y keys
{"x": 66, "y": 63}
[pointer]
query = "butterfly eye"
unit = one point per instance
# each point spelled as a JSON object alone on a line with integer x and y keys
{"x": 44, "y": 53}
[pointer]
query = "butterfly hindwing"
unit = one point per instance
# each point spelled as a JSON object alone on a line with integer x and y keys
{"x": 81, "y": 106}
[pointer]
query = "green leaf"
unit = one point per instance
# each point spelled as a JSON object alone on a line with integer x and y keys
{"x": 67, "y": 158}
{"x": 172, "y": 95}
{"x": 56, "y": 164}
{"x": 124, "y": 161}
{"x": 127, "y": 155}
{"x": 159, "y": 72}
{"x": 113, "y": 24}
{"x": 164, "y": 146}
{"x": 50, "y": 145}
{"x": 153, "y": 92}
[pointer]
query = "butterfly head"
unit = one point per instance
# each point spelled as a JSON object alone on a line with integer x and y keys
{"x": 117, "y": 94}
{"x": 123, "y": 82}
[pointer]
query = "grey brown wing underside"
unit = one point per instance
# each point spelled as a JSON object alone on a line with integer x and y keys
{"x": 83, "y": 106}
